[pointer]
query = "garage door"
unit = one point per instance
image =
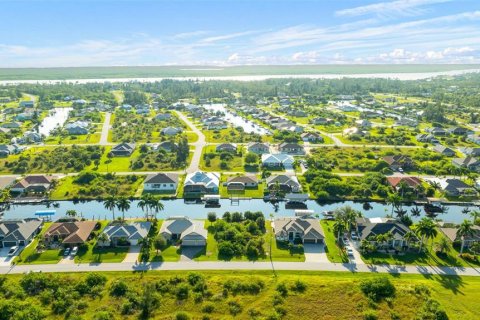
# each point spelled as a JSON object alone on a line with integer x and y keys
{"x": 193, "y": 243}
{"x": 9, "y": 244}
{"x": 309, "y": 241}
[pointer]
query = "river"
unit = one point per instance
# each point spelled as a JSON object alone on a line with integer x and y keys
{"x": 236, "y": 120}
{"x": 56, "y": 118}
{"x": 178, "y": 207}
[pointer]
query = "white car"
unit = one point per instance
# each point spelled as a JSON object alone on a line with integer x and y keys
{"x": 349, "y": 251}
{"x": 74, "y": 251}
{"x": 12, "y": 251}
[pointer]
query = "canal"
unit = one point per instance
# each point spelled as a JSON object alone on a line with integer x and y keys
{"x": 178, "y": 207}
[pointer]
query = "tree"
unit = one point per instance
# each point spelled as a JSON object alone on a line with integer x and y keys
{"x": 212, "y": 217}
{"x": 143, "y": 203}
{"x": 110, "y": 203}
{"x": 155, "y": 205}
{"x": 251, "y": 158}
{"x": 71, "y": 213}
{"x": 395, "y": 200}
{"x": 416, "y": 211}
{"x": 149, "y": 301}
{"x": 443, "y": 245}
{"x": 465, "y": 229}
{"x": 123, "y": 204}
{"x": 159, "y": 243}
{"x": 102, "y": 238}
{"x": 426, "y": 229}
{"x": 409, "y": 236}
{"x": 339, "y": 228}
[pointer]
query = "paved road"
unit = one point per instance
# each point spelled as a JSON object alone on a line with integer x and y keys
{"x": 106, "y": 127}
{"x": 199, "y": 144}
{"x": 222, "y": 265}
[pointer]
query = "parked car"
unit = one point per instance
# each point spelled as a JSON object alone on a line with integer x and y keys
{"x": 74, "y": 251}
{"x": 12, "y": 251}
{"x": 66, "y": 253}
{"x": 349, "y": 252}
{"x": 353, "y": 235}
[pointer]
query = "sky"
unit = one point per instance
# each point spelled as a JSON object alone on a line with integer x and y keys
{"x": 68, "y": 33}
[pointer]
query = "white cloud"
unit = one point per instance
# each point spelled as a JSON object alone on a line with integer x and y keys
{"x": 391, "y": 8}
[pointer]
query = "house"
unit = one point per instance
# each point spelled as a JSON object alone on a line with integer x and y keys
{"x": 456, "y": 187}
{"x": 443, "y": 150}
{"x": 27, "y": 104}
{"x": 470, "y": 163}
{"x": 291, "y": 148}
{"x": 258, "y": 147}
{"x": 19, "y": 232}
{"x": 125, "y": 234}
{"x": 171, "y": 131}
{"x": 399, "y": 161}
{"x": 28, "y": 137}
{"x": 33, "y": 183}
{"x": 369, "y": 228}
{"x": 191, "y": 233}
{"x": 311, "y": 137}
{"x": 168, "y": 146}
{"x": 70, "y": 233}
{"x": 123, "y": 149}
{"x": 200, "y": 183}
{"x": 406, "y": 122}
{"x": 321, "y": 121}
{"x": 163, "y": 116}
{"x": 474, "y": 138}
{"x": 24, "y": 116}
{"x": 241, "y": 183}
{"x": 226, "y": 147}
{"x": 426, "y": 137}
{"x": 411, "y": 182}
{"x": 277, "y": 160}
{"x": 286, "y": 184}
{"x": 459, "y": 131}
{"x": 11, "y": 125}
{"x": 161, "y": 182}
{"x": 437, "y": 131}
{"x": 473, "y": 152}
{"x": 452, "y": 234}
{"x": 77, "y": 128}
{"x": 298, "y": 229}
{"x": 363, "y": 123}
{"x": 6, "y": 150}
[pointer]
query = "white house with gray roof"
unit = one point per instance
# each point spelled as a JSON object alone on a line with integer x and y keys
{"x": 191, "y": 233}
{"x": 132, "y": 232}
{"x": 161, "y": 182}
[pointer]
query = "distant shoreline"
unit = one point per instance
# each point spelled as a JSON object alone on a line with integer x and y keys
{"x": 394, "y": 76}
{"x": 239, "y": 73}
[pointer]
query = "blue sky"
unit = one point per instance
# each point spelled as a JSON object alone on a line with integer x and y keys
{"x": 36, "y": 33}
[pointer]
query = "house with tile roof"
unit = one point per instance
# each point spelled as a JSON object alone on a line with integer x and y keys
{"x": 33, "y": 184}
{"x": 70, "y": 233}
{"x": 298, "y": 229}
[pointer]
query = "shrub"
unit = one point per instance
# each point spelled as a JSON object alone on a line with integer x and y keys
{"x": 118, "y": 288}
{"x": 377, "y": 288}
{"x": 208, "y": 308}
{"x": 182, "y": 291}
{"x": 299, "y": 286}
{"x": 370, "y": 315}
{"x": 95, "y": 279}
{"x": 468, "y": 257}
{"x": 182, "y": 316}
{"x": 432, "y": 310}
{"x": 234, "y": 307}
{"x": 282, "y": 289}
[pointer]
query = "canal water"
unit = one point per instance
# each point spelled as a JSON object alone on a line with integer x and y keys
{"x": 178, "y": 207}
{"x": 56, "y": 118}
{"x": 236, "y": 120}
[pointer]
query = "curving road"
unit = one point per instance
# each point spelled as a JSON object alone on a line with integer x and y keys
{"x": 199, "y": 144}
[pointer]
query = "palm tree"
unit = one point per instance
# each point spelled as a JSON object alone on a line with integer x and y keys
{"x": 348, "y": 216}
{"x": 474, "y": 214}
{"x": 102, "y": 238}
{"x": 110, "y": 203}
{"x": 71, "y": 213}
{"x": 409, "y": 236}
{"x": 339, "y": 228}
{"x": 416, "y": 211}
{"x": 394, "y": 199}
{"x": 143, "y": 203}
{"x": 443, "y": 245}
{"x": 426, "y": 229}
{"x": 156, "y": 206}
{"x": 465, "y": 229}
{"x": 123, "y": 204}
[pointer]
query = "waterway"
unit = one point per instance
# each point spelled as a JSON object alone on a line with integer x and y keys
{"x": 178, "y": 207}
{"x": 56, "y": 118}
{"x": 236, "y": 120}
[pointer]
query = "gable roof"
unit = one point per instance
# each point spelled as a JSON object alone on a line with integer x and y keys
{"x": 410, "y": 181}
{"x": 33, "y": 180}
{"x": 124, "y": 146}
{"x": 243, "y": 179}
{"x": 20, "y": 230}
{"x": 73, "y": 232}
{"x": 131, "y": 231}
{"x": 162, "y": 178}
{"x": 184, "y": 226}
{"x": 283, "y": 179}
{"x": 374, "y": 226}
{"x": 310, "y": 228}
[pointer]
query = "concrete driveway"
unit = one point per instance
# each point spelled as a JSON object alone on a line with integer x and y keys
{"x": 315, "y": 252}
{"x": 357, "y": 258}
{"x": 132, "y": 254}
{"x": 188, "y": 253}
{"x": 5, "y": 260}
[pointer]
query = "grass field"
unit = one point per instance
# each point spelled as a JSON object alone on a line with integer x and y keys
{"x": 334, "y": 252}
{"x": 327, "y": 296}
{"x": 202, "y": 71}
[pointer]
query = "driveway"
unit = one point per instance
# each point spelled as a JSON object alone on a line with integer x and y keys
{"x": 68, "y": 260}
{"x": 188, "y": 253}
{"x": 357, "y": 258}
{"x": 315, "y": 253}
{"x": 5, "y": 260}
{"x": 132, "y": 254}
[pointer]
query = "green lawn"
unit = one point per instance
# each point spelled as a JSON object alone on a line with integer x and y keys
{"x": 95, "y": 254}
{"x": 255, "y": 193}
{"x": 334, "y": 252}
{"x": 170, "y": 254}
{"x": 29, "y": 254}
{"x": 74, "y": 139}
